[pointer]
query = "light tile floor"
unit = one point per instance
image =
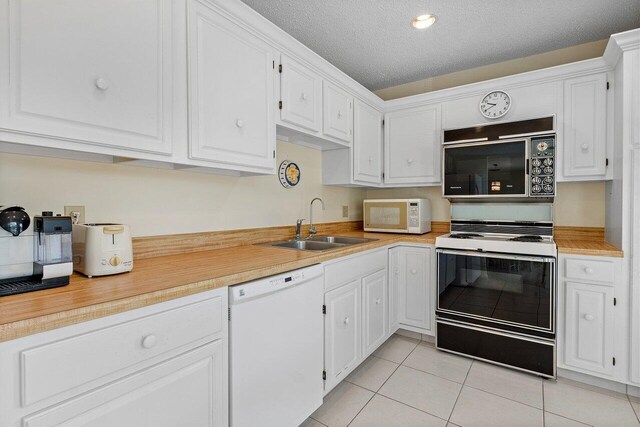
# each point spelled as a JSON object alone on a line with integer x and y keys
{"x": 409, "y": 383}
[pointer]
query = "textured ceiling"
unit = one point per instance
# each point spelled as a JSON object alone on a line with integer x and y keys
{"x": 373, "y": 42}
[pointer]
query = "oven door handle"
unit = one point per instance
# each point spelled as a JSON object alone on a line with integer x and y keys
{"x": 496, "y": 255}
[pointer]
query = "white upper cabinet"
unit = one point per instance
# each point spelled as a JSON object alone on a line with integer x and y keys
{"x": 88, "y": 71}
{"x": 300, "y": 95}
{"x": 231, "y": 103}
{"x": 413, "y": 146}
{"x": 338, "y": 113}
{"x": 367, "y": 144}
{"x": 585, "y": 126}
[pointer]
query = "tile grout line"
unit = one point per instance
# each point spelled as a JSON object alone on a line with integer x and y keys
{"x": 453, "y": 408}
{"x": 385, "y": 381}
{"x": 413, "y": 407}
{"x": 633, "y": 408}
{"x": 507, "y": 398}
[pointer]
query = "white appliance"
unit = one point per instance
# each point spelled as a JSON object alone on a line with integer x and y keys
{"x": 276, "y": 349}
{"x": 411, "y": 216}
{"x": 102, "y": 249}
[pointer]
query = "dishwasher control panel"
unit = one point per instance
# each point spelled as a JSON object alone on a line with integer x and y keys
{"x": 246, "y": 291}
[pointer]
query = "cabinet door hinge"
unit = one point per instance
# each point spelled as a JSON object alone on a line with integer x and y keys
{"x": 382, "y": 175}
{"x": 382, "y": 122}
{"x": 229, "y": 313}
{"x": 274, "y": 154}
{"x": 614, "y": 361}
{"x": 324, "y": 309}
{"x": 324, "y": 375}
{"x": 607, "y": 85}
{"x": 274, "y": 64}
{"x": 280, "y": 105}
{"x": 607, "y": 162}
{"x": 615, "y": 301}
{"x": 280, "y": 68}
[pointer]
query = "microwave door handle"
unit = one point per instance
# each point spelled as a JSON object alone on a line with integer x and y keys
{"x": 526, "y": 170}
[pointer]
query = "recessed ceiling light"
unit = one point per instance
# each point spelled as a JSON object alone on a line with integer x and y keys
{"x": 423, "y": 21}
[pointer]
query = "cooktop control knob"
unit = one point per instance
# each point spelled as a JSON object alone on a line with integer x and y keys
{"x": 537, "y": 171}
{"x": 547, "y": 180}
{"x": 548, "y": 170}
{"x": 536, "y": 180}
{"x": 537, "y": 188}
{"x": 115, "y": 261}
{"x": 548, "y": 188}
{"x": 548, "y": 162}
{"x": 537, "y": 162}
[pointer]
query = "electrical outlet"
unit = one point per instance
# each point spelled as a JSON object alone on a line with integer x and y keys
{"x": 345, "y": 211}
{"x": 80, "y": 209}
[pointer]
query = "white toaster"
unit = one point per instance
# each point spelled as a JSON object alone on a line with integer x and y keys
{"x": 102, "y": 249}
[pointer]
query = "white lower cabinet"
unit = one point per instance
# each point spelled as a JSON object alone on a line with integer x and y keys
{"x": 355, "y": 306}
{"x": 374, "y": 293}
{"x": 411, "y": 290}
{"x": 161, "y": 365}
{"x": 589, "y": 327}
{"x": 592, "y": 327}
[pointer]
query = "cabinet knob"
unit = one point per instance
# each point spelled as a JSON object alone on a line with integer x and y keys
{"x": 584, "y": 148}
{"x": 339, "y": 113}
{"x": 303, "y": 96}
{"x": 378, "y": 301}
{"x": 102, "y": 84}
{"x": 239, "y": 123}
{"x": 370, "y": 159}
{"x": 588, "y": 270}
{"x": 589, "y": 317}
{"x": 414, "y": 271}
{"x": 346, "y": 321}
{"x": 149, "y": 341}
{"x": 409, "y": 161}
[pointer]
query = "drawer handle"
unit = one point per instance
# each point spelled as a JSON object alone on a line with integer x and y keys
{"x": 414, "y": 271}
{"x": 239, "y": 123}
{"x": 102, "y": 84}
{"x": 588, "y": 270}
{"x": 378, "y": 301}
{"x": 149, "y": 341}
{"x": 584, "y": 148}
{"x": 346, "y": 321}
{"x": 303, "y": 96}
{"x": 589, "y": 317}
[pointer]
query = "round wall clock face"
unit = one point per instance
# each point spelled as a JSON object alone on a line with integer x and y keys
{"x": 495, "y": 104}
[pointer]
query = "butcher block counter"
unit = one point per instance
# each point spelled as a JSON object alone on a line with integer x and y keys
{"x": 162, "y": 278}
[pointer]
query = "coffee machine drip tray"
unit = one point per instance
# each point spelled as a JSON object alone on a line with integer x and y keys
{"x": 29, "y": 284}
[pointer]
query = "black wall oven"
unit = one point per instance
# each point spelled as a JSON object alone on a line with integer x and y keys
{"x": 498, "y": 307}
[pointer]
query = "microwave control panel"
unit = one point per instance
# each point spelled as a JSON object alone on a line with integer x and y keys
{"x": 414, "y": 215}
{"x": 542, "y": 167}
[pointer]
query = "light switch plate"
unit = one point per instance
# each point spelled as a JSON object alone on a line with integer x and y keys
{"x": 79, "y": 209}
{"x": 345, "y": 211}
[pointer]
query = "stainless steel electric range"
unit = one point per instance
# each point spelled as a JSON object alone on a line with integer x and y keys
{"x": 497, "y": 285}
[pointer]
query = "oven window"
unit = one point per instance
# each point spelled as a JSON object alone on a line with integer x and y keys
{"x": 490, "y": 169}
{"x": 500, "y": 289}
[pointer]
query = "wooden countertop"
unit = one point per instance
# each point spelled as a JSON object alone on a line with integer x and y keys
{"x": 159, "y": 279}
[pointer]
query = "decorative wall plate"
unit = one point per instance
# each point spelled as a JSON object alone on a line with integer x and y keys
{"x": 289, "y": 174}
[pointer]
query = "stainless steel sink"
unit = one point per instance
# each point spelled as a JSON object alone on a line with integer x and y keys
{"x": 341, "y": 239}
{"x": 307, "y": 245}
{"x": 318, "y": 243}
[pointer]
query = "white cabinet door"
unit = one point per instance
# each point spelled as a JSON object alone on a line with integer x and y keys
{"x": 337, "y": 113}
{"x": 343, "y": 343}
{"x": 589, "y": 327}
{"x": 230, "y": 92}
{"x": 374, "y": 289}
{"x": 300, "y": 94}
{"x": 189, "y": 389}
{"x": 88, "y": 71}
{"x": 395, "y": 277}
{"x": 414, "y": 299}
{"x": 412, "y": 146}
{"x": 367, "y": 144}
{"x": 584, "y": 130}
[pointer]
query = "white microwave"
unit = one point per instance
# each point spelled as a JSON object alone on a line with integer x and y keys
{"x": 397, "y": 215}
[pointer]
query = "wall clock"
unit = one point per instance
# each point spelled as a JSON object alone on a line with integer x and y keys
{"x": 289, "y": 174}
{"x": 495, "y": 104}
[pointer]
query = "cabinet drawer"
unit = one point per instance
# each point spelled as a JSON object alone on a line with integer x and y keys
{"x": 352, "y": 268}
{"x": 63, "y": 365}
{"x": 590, "y": 269}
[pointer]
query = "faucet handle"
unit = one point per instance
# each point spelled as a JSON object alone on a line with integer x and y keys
{"x": 299, "y": 221}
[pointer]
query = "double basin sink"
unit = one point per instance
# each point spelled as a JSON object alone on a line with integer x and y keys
{"x": 319, "y": 243}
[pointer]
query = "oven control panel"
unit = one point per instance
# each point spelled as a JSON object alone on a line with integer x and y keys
{"x": 542, "y": 167}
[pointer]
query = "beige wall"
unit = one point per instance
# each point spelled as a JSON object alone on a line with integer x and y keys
{"x": 155, "y": 201}
{"x": 576, "y": 204}
{"x": 501, "y": 69}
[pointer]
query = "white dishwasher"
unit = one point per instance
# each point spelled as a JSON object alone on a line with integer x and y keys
{"x": 276, "y": 349}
